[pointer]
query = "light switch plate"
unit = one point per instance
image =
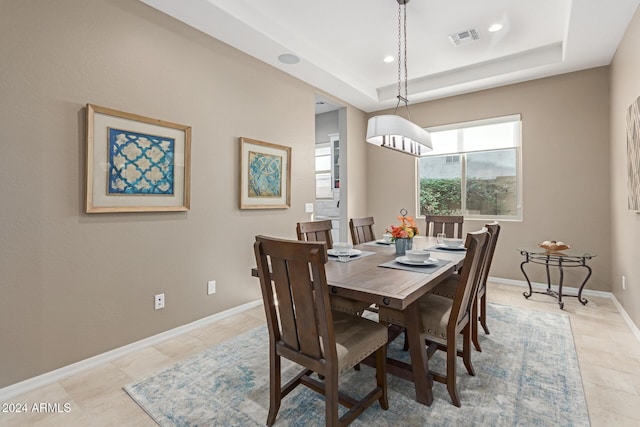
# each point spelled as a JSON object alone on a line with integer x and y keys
{"x": 308, "y": 207}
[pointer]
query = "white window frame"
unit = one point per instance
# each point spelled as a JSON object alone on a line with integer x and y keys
{"x": 517, "y": 146}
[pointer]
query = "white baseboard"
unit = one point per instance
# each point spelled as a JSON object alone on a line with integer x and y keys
{"x": 75, "y": 368}
{"x": 625, "y": 316}
{"x": 574, "y": 291}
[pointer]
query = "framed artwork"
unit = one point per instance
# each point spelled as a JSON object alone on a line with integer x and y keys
{"x": 633, "y": 155}
{"x": 136, "y": 163}
{"x": 265, "y": 175}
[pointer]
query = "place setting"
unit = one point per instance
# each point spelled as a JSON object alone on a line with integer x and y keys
{"x": 344, "y": 252}
{"x": 419, "y": 260}
{"x": 448, "y": 244}
{"x": 387, "y": 240}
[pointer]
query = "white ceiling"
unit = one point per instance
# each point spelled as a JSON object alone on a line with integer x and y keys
{"x": 341, "y": 43}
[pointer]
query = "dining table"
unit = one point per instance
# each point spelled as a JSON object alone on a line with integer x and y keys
{"x": 375, "y": 275}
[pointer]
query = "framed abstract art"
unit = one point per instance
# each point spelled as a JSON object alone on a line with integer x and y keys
{"x": 136, "y": 163}
{"x": 265, "y": 175}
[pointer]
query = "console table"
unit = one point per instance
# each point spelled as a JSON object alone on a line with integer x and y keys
{"x": 566, "y": 258}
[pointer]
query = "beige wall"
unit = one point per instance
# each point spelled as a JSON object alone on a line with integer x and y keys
{"x": 75, "y": 285}
{"x": 625, "y": 230}
{"x": 565, "y": 167}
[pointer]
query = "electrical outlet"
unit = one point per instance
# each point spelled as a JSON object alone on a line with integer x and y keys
{"x": 159, "y": 301}
{"x": 211, "y": 287}
{"x": 624, "y": 283}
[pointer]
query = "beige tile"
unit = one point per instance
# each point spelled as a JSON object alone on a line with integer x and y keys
{"x": 143, "y": 363}
{"x": 608, "y": 360}
{"x": 619, "y": 402}
{"x": 610, "y": 378}
{"x": 89, "y": 389}
{"x": 120, "y": 409}
{"x": 600, "y": 417}
{"x": 257, "y": 312}
{"x": 214, "y": 334}
{"x": 629, "y": 347}
{"x": 226, "y": 328}
{"x": 241, "y": 322}
{"x": 180, "y": 347}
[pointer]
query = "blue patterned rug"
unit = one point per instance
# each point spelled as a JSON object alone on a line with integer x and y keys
{"x": 526, "y": 375}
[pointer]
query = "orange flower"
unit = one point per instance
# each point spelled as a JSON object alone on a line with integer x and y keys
{"x": 406, "y": 230}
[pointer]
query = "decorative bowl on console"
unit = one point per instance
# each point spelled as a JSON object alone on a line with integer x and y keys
{"x": 553, "y": 246}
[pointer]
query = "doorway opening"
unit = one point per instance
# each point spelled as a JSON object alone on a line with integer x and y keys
{"x": 330, "y": 166}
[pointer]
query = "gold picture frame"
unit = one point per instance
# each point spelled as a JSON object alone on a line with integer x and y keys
{"x": 136, "y": 163}
{"x": 265, "y": 175}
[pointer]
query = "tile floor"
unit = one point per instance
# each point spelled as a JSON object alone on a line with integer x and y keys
{"x": 608, "y": 352}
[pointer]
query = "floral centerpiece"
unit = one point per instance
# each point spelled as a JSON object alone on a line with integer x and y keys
{"x": 406, "y": 230}
{"x": 403, "y": 233}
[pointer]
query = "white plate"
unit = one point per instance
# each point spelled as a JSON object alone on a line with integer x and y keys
{"x": 382, "y": 242}
{"x": 452, "y": 248}
{"x": 353, "y": 252}
{"x": 407, "y": 261}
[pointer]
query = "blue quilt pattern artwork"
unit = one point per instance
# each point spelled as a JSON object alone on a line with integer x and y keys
{"x": 140, "y": 164}
{"x": 265, "y": 175}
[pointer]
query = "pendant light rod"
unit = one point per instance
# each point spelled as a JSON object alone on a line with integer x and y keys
{"x": 402, "y": 42}
{"x": 393, "y": 131}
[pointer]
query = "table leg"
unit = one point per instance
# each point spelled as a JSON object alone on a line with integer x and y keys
{"x": 548, "y": 276}
{"x": 560, "y": 303}
{"x": 422, "y": 378}
{"x": 584, "y": 282}
{"x": 526, "y": 295}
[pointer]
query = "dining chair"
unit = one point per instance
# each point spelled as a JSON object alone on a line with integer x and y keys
{"x": 361, "y": 230}
{"x": 449, "y": 286}
{"x": 443, "y": 319}
{"x": 451, "y": 225}
{"x": 304, "y": 329}
{"x": 315, "y": 231}
{"x": 320, "y": 231}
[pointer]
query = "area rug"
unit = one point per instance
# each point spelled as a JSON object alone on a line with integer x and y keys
{"x": 526, "y": 375}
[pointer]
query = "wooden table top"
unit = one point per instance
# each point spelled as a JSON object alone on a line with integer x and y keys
{"x": 362, "y": 279}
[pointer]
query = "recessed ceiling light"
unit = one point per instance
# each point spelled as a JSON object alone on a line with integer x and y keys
{"x": 288, "y": 58}
{"x": 388, "y": 59}
{"x": 495, "y": 27}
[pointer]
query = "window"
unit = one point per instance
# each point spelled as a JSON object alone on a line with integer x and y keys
{"x": 324, "y": 185}
{"x": 473, "y": 170}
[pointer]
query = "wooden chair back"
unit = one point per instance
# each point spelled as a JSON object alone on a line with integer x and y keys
{"x": 451, "y": 225}
{"x": 361, "y": 230}
{"x": 296, "y": 297}
{"x": 315, "y": 231}
{"x": 476, "y": 244}
{"x": 494, "y": 232}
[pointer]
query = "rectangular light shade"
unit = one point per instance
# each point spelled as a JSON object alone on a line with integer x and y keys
{"x": 398, "y": 133}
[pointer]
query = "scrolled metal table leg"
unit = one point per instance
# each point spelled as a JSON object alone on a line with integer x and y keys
{"x": 584, "y": 301}
{"x": 526, "y": 277}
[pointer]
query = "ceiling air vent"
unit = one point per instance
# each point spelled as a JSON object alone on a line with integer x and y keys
{"x": 464, "y": 37}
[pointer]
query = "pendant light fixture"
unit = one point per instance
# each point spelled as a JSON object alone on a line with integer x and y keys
{"x": 393, "y": 131}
